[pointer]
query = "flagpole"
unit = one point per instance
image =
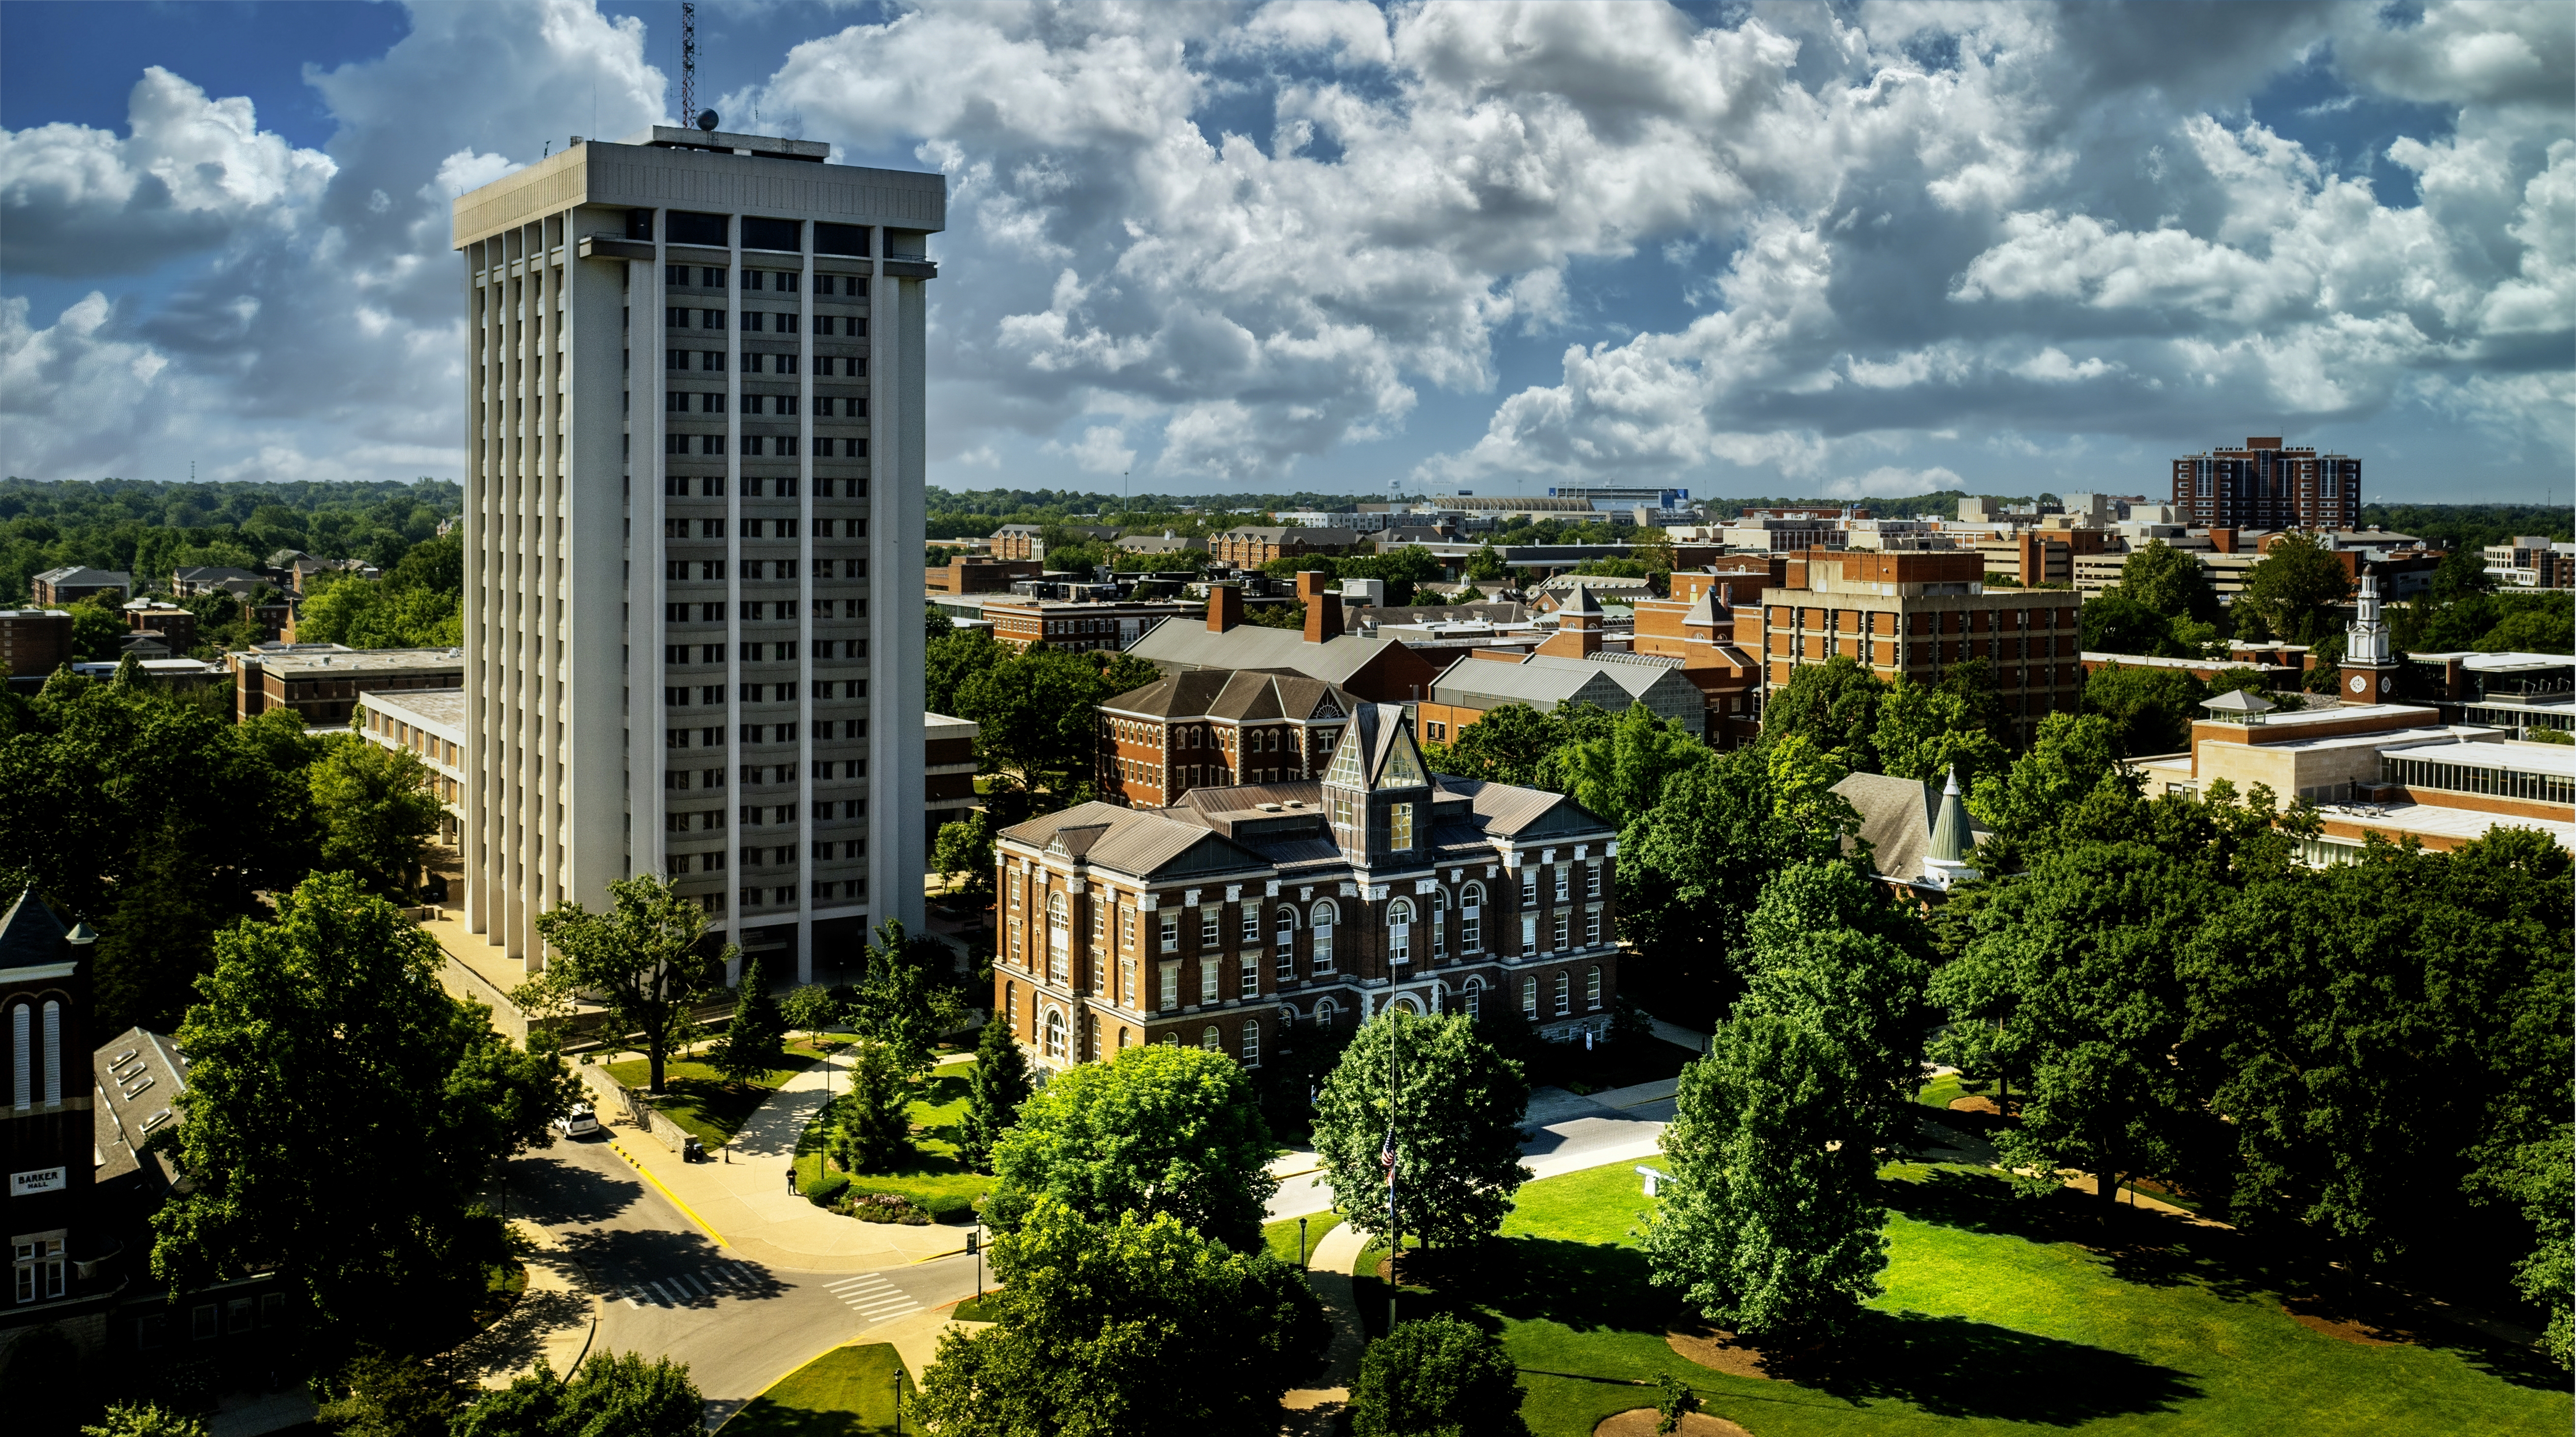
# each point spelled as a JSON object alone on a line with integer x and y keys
{"x": 1395, "y": 1223}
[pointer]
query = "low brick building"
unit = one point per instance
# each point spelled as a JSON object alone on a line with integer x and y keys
{"x": 1916, "y": 614}
{"x": 1079, "y": 624}
{"x": 34, "y": 641}
{"x": 175, "y": 627}
{"x": 1253, "y": 546}
{"x": 1242, "y": 915}
{"x": 324, "y": 687}
{"x": 948, "y": 770}
{"x": 73, "y": 583}
{"x": 1215, "y": 728}
{"x": 976, "y": 574}
{"x": 1026, "y": 541}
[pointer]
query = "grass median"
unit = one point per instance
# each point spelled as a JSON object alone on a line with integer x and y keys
{"x": 932, "y": 1178}
{"x": 846, "y": 1392}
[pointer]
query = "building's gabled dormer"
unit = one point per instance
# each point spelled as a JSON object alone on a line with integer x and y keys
{"x": 1377, "y": 790}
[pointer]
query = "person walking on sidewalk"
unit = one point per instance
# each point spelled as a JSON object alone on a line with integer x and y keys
{"x": 791, "y": 1177}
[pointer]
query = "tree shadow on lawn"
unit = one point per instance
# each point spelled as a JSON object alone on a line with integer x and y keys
{"x": 1953, "y": 1367}
{"x": 2136, "y": 1245}
{"x": 2153, "y": 1249}
{"x": 1947, "y": 1366}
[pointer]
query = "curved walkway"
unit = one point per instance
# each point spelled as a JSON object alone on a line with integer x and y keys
{"x": 1315, "y": 1410}
{"x": 740, "y": 1196}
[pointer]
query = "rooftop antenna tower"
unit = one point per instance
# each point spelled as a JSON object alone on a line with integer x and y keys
{"x": 688, "y": 62}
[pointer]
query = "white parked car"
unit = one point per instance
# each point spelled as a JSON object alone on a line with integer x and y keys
{"x": 579, "y": 1123}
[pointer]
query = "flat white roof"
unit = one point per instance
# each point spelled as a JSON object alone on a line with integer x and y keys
{"x": 442, "y": 709}
{"x": 2433, "y": 821}
{"x": 2148, "y": 661}
{"x": 2477, "y": 663}
{"x": 2555, "y": 759}
{"x": 2339, "y": 713}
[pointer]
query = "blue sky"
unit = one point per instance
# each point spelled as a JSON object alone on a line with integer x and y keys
{"x": 1742, "y": 249}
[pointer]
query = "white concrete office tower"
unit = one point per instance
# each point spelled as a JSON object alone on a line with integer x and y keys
{"x": 693, "y": 536}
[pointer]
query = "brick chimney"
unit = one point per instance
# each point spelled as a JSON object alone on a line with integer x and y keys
{"x": 1311, "y": 582}
{"x": 1323, "y": 614}
{"x": 1225, "y": 607}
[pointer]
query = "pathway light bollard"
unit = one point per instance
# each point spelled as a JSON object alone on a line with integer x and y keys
{"x": 1301, "y": 1244}
{"x": 975, "y": 1246}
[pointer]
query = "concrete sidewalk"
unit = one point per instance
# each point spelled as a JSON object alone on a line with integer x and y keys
{"x": 1312, "y": 1411}
{"x": 741, "y": 1199}
{"x": 1568, "y": 1133}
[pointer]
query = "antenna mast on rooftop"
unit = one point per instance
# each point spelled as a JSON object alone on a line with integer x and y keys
{"x": 688, "y": 62}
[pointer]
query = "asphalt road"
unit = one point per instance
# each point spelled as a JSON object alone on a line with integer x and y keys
{"x": 668, "y": 1290}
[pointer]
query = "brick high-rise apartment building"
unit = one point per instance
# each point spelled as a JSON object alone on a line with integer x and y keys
{"x": 693, "y": 528}
{"x": 1913, "y": 614}
{"x": 2267, "y": 486}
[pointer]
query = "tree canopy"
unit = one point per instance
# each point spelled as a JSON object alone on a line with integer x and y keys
{"x": 149, "y": 814}
{"x": 646, "y": 959}
{"x": 1771, "y": 1222}
{"x": 1033, "y": 710}
{"x": 1454, "y": 1124}
{"x": 1128, "y": 1324}
{"x": 1437, "y": 1376}
{"x": 2168, "y": 581}
{"x": 2296, "y": 585}
{"x": 1159, "y": 1129}
{"x": 622, "y": 1393}
{"x": 343, "y": 1114}
{"x": 1833, "y": 706}
{"x": 995, "y": 1092}
{"x": 2150, "y": 710}
{"x": 1692, "y": 867}
{"x": 148, "y": 527}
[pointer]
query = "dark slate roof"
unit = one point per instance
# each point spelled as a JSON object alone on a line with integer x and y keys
{"x": 1239, "y": 695}
{"x": 1896, "y": 819}
{"x": 81, "y": 575}
{"x": 30, "y": 934}
{"x": 1257, "y": 646}
{"x": 139, "y": 1075}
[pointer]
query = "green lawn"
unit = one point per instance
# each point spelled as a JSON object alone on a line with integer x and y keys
{"x": 934, "y": 1179}
{"x": 1282, "y": 1235}
{"x": 2000, "y": 1317}
{"x": 1939, "y": 1092}
{"x": 702, "y": 1102}
{"x": 846, "y": 1392}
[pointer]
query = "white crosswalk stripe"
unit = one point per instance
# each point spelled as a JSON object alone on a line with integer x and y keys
{"x": 873, "y": 1297}
{"x": 687, "y": 1288}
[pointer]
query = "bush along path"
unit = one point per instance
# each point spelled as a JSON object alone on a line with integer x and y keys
{"x": 922, "y": 1180}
